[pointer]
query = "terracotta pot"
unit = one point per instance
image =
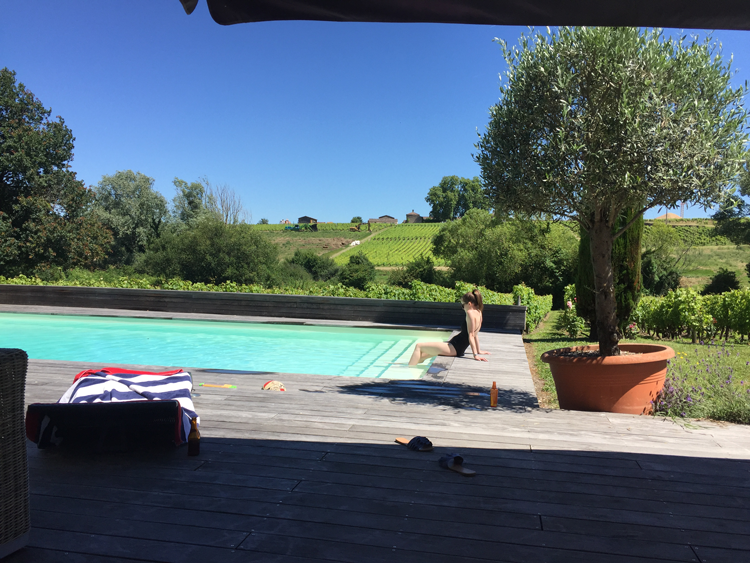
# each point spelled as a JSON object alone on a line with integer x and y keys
{"x": 624, "y": 384}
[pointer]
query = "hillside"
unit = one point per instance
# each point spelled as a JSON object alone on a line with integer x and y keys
{"x": 703, "y": 262}
{"x": 389, "y": 246}
{"x": 397, "y": 245}
{"x": 322, "y": 242}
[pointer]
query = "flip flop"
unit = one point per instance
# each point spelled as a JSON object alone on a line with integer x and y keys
{"x": 417, "y": 444}
{"x": 456, "y": 463}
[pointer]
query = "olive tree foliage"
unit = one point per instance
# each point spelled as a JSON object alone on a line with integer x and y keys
{"x": 593, "y": 121}
{"x": 128, "y": 205}
{"x": 44, "y": 221}
{"x": 454, "y": 196}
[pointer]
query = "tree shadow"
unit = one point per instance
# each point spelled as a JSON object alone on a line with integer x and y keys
{"x": 457, "y": 396}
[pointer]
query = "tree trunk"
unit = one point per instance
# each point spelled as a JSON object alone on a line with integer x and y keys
{"x": 604, "y": 287}
{"x": 626, "y": 271}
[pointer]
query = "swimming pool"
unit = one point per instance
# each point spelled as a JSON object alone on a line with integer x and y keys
{"x": 322, "y": 350}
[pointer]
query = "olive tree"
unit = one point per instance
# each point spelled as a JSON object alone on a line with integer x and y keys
{"x": 593, "y": 121}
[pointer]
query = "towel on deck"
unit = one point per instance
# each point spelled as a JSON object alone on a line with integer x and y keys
{"x": 116, "y": 385}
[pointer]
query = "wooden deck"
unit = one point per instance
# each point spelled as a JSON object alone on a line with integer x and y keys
{"x": 313, "y": 474}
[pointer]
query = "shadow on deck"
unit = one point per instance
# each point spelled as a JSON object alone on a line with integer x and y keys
{"x": 454, "y": 395}
{"x": 276, "y": 500}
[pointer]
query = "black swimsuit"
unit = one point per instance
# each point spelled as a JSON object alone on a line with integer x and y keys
{"x": 461, "y": 341}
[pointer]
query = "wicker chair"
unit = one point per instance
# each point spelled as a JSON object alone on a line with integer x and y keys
{"x": 14, "y": 472}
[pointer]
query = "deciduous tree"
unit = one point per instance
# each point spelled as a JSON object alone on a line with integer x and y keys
{"x": 128, "y": 205}
{"x": 500, "y": 254}
{"x": 454, "y": 196}
{"x": 43, "y": 206}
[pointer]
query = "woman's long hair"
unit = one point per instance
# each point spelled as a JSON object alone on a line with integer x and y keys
{"x": 475, "y": 298}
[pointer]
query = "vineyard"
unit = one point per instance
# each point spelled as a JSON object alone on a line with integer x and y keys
{"x": 397, "y": 245}
{"x": 697, "y": 235}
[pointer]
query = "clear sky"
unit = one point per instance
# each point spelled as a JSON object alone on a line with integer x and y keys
{"x": 330, "y": 120}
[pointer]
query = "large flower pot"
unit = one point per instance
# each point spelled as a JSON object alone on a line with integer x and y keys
{"x": 624, "y": 384}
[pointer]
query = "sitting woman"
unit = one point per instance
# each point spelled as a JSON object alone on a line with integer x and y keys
{"x": 456, "y": 346}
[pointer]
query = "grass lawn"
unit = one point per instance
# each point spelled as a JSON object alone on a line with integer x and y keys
{"x": 705, "y": 368}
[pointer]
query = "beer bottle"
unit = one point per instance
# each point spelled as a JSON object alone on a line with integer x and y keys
{"x": 493, "y": 395}
{"x": 194, "y": 438}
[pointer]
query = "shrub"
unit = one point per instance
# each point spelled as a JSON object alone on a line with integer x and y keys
{"x": 211, "y": 251}
{"x": 747, "y": 269}
{"x": 724, "y": 280}
{"x": 569, "y": 322}
{"x": 538, "y": 305}
{"x": 319, "y": 267}
{"x": 707, "y": 384}
{"x": 422, "y": 269}
{"x": 358, "y": 272}
{"x": 287, "y": 274}
{"x": 659, "y": 277}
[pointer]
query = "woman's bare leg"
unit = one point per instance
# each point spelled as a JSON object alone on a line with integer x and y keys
{"x": 425, "y": 350}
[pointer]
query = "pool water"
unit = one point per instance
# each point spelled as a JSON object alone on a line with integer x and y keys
{"x": 323, "y": 350}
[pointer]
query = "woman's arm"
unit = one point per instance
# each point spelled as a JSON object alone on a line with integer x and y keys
{"x": 473, "y": 342}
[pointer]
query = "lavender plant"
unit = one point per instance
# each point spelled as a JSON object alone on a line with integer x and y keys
{"x": 713, "y": 382}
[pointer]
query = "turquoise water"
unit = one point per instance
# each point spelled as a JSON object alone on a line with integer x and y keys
{"x": 323, "y": 350}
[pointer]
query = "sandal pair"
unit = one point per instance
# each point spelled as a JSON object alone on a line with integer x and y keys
{"x": 454, "y": 462}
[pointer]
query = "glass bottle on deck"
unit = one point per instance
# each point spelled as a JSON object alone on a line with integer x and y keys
{"x": 194, "y": 438}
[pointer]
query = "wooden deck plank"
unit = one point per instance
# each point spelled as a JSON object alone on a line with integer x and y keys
{"x": 39, "y": 555}
{"x": 610, "y": 514}
{"x": 445, "y": 549}
{"x": 646, "y": 533}
{"x": 145, "y": 550}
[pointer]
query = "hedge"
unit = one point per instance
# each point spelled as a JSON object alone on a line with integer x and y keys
{"x": 537, "y": 306}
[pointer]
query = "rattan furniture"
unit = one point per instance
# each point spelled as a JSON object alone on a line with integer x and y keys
{"x": 14, "y": 472}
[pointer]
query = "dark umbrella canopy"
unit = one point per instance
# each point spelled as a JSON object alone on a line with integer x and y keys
{"x": 685, "y": 14}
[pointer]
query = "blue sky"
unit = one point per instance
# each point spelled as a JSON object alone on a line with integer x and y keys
{"x": 330, "y": 120}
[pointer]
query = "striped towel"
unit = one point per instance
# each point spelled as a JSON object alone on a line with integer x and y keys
{"x": 114, "y": 385}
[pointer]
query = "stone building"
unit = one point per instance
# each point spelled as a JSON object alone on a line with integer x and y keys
{"x": 384, "y": 219}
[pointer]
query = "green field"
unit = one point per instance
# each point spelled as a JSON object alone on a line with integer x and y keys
{"x": 703, "y": 262}
{"x": 397, "y": 245}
